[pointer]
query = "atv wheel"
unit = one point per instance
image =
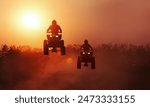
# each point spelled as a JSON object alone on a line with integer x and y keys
{"x": 93, "y": 63}
{"x": 45, "y": 47}
{"x": 63, "y": 50}
{"x": 62, "y": 43}
{"x": 79, "y": 63}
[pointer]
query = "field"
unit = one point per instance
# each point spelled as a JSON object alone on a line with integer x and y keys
{"x": 118, "y": 66}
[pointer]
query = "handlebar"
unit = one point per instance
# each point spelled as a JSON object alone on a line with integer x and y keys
{"x": 54, "y": 34}
{"x": 82, "y": 50}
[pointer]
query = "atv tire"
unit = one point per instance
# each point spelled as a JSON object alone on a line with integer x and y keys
{"x": 93, "y": 63}
{"x": 62, "y": 43}
{"x": 63, "y": 50}
{"x": 45, "y": 47}
{"x": 79, "y": 63}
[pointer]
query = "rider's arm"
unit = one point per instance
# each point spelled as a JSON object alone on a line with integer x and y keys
{"x": 48, "y": 29}
{"x": 81, "y": 47}
{"x": 91, "y": 47}
{"x": 60, "y": 30}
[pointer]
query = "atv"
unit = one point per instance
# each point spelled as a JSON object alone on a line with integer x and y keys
{"x": 86, "y": 57}
{"x": 53, "y": 41}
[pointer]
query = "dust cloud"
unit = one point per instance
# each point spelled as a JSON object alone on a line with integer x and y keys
{"x": 117, "y": 67}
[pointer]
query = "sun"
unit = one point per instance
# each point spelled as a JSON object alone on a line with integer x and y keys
{"x": 31, "y": 20}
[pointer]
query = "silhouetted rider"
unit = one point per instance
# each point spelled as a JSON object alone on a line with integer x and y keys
{"x": 54, "y": 28}
{"x": 86, "y": 46}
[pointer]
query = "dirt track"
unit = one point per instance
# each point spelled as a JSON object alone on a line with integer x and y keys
{"x": 36, "y": 71}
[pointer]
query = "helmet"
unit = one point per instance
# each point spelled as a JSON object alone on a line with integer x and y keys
{"x": 54, "y": 22}
{"x": 86, "y": 41}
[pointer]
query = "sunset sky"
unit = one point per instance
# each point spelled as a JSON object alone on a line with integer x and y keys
{"x": 24, "y": 22}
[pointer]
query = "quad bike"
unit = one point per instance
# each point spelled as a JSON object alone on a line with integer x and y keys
{"x": 86, "y": 57}
{"x": 53, "y": 41}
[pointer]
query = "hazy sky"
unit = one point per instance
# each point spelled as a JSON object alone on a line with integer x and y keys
{"x": 99, "y": 21}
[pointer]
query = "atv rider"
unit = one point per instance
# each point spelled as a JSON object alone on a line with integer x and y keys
{"x": 54, "y": 29}
{"x": 86, "y": 47}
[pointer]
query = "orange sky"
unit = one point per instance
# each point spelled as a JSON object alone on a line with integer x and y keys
{"x": 99, "y": 21}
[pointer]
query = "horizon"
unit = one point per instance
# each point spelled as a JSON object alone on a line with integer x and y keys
{"x": 76, "y": 46}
